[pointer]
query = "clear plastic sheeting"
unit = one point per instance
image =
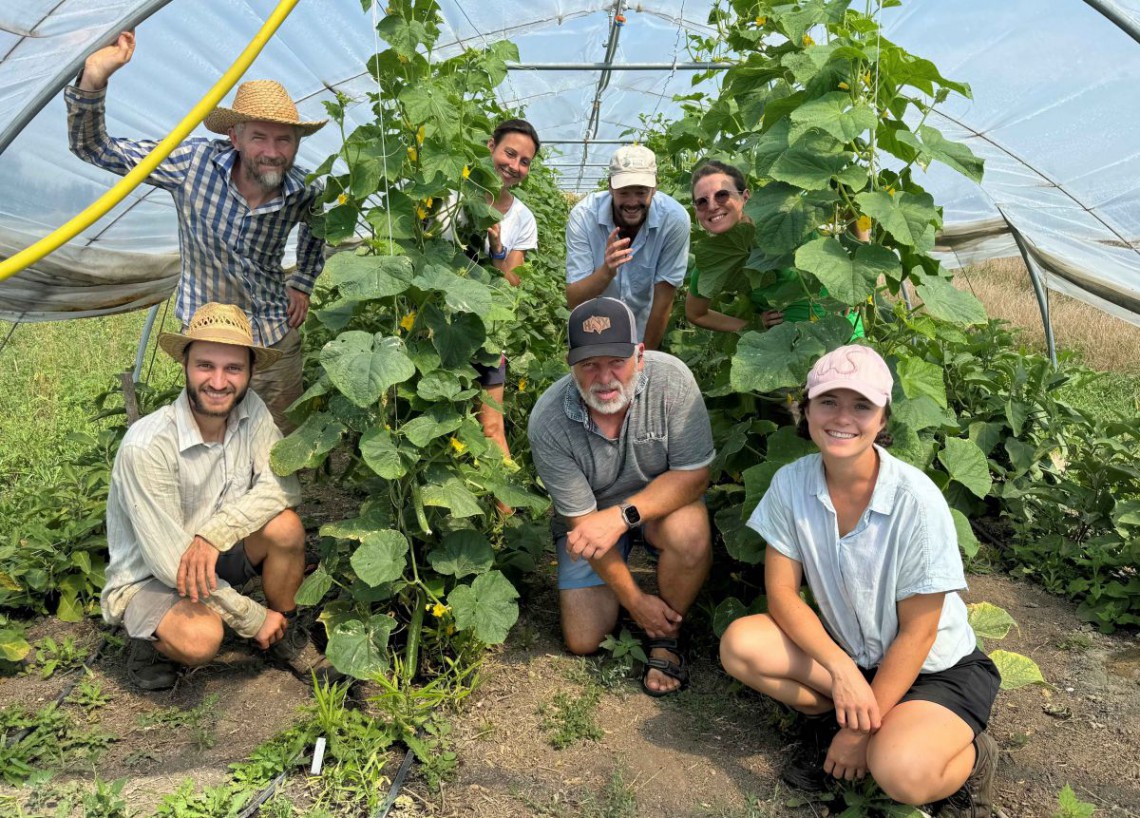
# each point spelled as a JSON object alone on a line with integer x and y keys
{"x": 1056, "y": 98}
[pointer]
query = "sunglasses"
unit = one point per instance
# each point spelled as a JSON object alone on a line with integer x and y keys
{"x": 721, "y": 197}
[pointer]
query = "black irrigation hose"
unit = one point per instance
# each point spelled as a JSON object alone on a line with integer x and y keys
{"x": 266, "y": 793}
{"x": 397, "y": 783}
{"x": 70, "y": 686}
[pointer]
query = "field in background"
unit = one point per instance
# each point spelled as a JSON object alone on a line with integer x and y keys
{"x": 49, "y": 375}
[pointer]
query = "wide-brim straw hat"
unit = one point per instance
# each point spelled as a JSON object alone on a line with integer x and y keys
{"x": 260, "y": 101}
{"x": 219, "y": 324}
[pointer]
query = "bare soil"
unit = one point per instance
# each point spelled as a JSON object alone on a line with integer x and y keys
{"x": 713, "y": 750}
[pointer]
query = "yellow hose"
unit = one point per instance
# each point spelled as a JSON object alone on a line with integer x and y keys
{"x": 116, "y": 194}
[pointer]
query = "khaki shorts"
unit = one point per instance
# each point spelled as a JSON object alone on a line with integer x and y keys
{"x": 155, "y": 598}
{"x": 279, "y": 384}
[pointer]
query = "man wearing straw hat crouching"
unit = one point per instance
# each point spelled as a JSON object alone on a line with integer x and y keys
{"x": 194, "y": 512}
{"x": 237, "y": 201}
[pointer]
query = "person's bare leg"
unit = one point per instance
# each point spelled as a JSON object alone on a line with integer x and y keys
{"x": 684, "y": 541}
{"x": 190, "y": 633}
{"x": 755, "y": 651}
{"x": 495, "y": 428}
{"x": 588, "y": 615}
{"x": 279, "y": 547}
{"x": 922, "y": 753}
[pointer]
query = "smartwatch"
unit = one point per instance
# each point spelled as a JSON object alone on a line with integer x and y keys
{"x": 499, "y": 256}
{"x": 631, "y": 515}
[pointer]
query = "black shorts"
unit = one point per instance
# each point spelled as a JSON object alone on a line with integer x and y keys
{"x": 492, "y": 375}
{"x": 967, "y": 689}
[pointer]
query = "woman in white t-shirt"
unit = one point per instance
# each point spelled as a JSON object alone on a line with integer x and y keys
{"x": 888, "y": 673}
{"x": 513, "y": 145}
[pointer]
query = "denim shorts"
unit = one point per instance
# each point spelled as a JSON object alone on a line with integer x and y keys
{"x": 580, "y": 574}
{"x": 967, "y": 689}
{"x": 154, "y": 598}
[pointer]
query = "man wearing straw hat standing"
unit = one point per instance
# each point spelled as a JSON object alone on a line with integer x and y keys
{"x": 194, "y": 512}
{"x": 237, "y": 199}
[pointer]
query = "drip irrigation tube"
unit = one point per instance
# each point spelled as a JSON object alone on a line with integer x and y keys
{"x": 59, "y": 237}
{"x": 397, "y": 784}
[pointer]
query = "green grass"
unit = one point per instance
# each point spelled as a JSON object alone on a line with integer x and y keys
{"x": 49, "y": 375}
{"x": 570, "y": 718}
{"x": 1112, "y": 394}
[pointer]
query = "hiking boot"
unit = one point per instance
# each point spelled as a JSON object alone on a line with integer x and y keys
{"x": 148, "y": 669}
{"x": 804, "y": 770}
{"x": 975, "y": 798}
{"x": 296, "y": 652}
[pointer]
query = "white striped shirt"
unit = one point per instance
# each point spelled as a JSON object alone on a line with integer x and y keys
{"x": 230, "y": 254}
{"x": 168, "y": 485}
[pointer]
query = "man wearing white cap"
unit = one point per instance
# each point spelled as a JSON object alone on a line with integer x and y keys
{"x": 629, "y": 242}
{"x": 194, "y": 512}
{"x": 237, "y": 200}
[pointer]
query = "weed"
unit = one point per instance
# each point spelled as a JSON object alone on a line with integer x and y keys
{"x": 1072, "y": 807}
{"x": 104, "y": 800}
{"x": 88, "y": 696}
{"x": 142, "y": 757}
{"x": 200, "y": 719}
{"x": 56, "y": 657}
{"x": 1018, "y": 740}
{"x": 570, "y": 718}
{"x": 622, "y": 654}
{"x": 30, "y": 741}
{"x": 616, "y": 800}
{"x": 1075, "y": 642}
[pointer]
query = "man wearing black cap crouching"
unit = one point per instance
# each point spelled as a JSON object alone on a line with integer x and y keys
{"x": 623, "y": 443}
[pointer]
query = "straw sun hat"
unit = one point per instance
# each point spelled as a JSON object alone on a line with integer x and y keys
{"x": 260, "y": 101}
{"x": 220, "y": 324}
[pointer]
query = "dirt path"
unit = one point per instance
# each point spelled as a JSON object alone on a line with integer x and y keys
{"x": 716, "y": 752}
{"x": 713, "y": 751}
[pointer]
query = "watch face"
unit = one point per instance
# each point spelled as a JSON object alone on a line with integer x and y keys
{"x": 631, "y": 514}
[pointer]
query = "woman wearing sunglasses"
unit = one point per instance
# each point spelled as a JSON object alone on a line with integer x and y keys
{"x": 719, "y": 196}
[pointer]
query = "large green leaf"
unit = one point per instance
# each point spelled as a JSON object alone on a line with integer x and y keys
{"x": 362, "y": 365}
{"x": 782, "y": 356}
{"x": 784, "y": 216}
{"x": 454, "y": 495}
{"x": 358, "y": 647}
{"x": 848, "y": 279}
{"x": 515, "y": 496}
{"x": 439, "y": 385}
{"x": 462, "y": 553}
{"x": 722, "y": 255}
{"x": 461, "y": 294}
{"x": 381, "y": 557}
{"x": 371, "y": 160}
{"x": 954, "y": 154}
{"x": 727, "y": 611}
{"x": 756, "y": 481}
{"x": 804, "y": 164}
{"x": 1016, "y": 670}
{"x": 314, "y": 588}
{"x": 921, "y": 413}
{"x": 457, "y": 338}
{"x": 741, "y": 542}
{"x": 428, "y": 104}
{"x": 398, "y": 220}
{"x": 918, "y": 377}
{"x": 943, "y": 300}
{"x": 966, "y": 464}
{"x": 375, "y": 516}
{"x": 966, "y": 539}
{"x": 380, "y": 453}
{"x": 487, "y": 605}
{"x": 989, "y": 621}
{"x": 307, "y": 446}
{"x": 365, "y": 277}
{"x": 909, "y": 217}
{"x": 13, "y": 646}
{"x": 834, "y": 114}
{"x": 438, "y": 421}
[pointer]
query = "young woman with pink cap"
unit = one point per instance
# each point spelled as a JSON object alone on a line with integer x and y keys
{"x": 887, "y": 673}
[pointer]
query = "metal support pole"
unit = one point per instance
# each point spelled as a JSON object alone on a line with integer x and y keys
{"x": 632, "y": 66}
{"x": 144, "y": 342}
{"x": 1038, "y": 280}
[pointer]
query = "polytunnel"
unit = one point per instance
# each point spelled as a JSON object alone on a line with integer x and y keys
{"x": 1056, "y": 96}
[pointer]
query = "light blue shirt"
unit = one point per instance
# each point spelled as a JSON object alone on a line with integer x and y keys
{"x": 660, "y": 249}
{"x": 904, "y": 544}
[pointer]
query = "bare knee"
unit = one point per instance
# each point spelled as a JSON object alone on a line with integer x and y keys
{"x": 581, "y": 644}
{"x": 685, "y": 535}
{"x": 191, "y": 636}
{"x": 743, "y": 645}
{"x": 900, "y": 775}
{"x": 284, "y": 532}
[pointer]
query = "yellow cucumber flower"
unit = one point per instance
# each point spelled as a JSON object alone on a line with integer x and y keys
{"x": 459, "y": 446}
{"x": 760, "y": 21}
{"x": 807, "y": 40}
{"x": 522, "y": 385}
{"x": 466, "y": 172}
{"x": 438, "y": 610}
{"x": 342, "y": 198}
{"x": 412, "y": 153}
{"x": 408, "y": 321}
{"x": 863, "y": 224}
{"x": 420, "y": 135}
{"x": 844, "y": 86}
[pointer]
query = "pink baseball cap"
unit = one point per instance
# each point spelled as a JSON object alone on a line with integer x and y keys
{"x": 852, "y": 367}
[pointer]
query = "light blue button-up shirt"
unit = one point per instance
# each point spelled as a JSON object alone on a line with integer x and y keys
{"x": 660, "y": 249}
{"x": 904, "y": 544}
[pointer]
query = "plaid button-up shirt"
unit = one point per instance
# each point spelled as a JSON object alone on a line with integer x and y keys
{"x": 230, "y": 254}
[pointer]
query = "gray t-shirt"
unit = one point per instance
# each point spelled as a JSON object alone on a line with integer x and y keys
{"x": 665, "y": 429}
